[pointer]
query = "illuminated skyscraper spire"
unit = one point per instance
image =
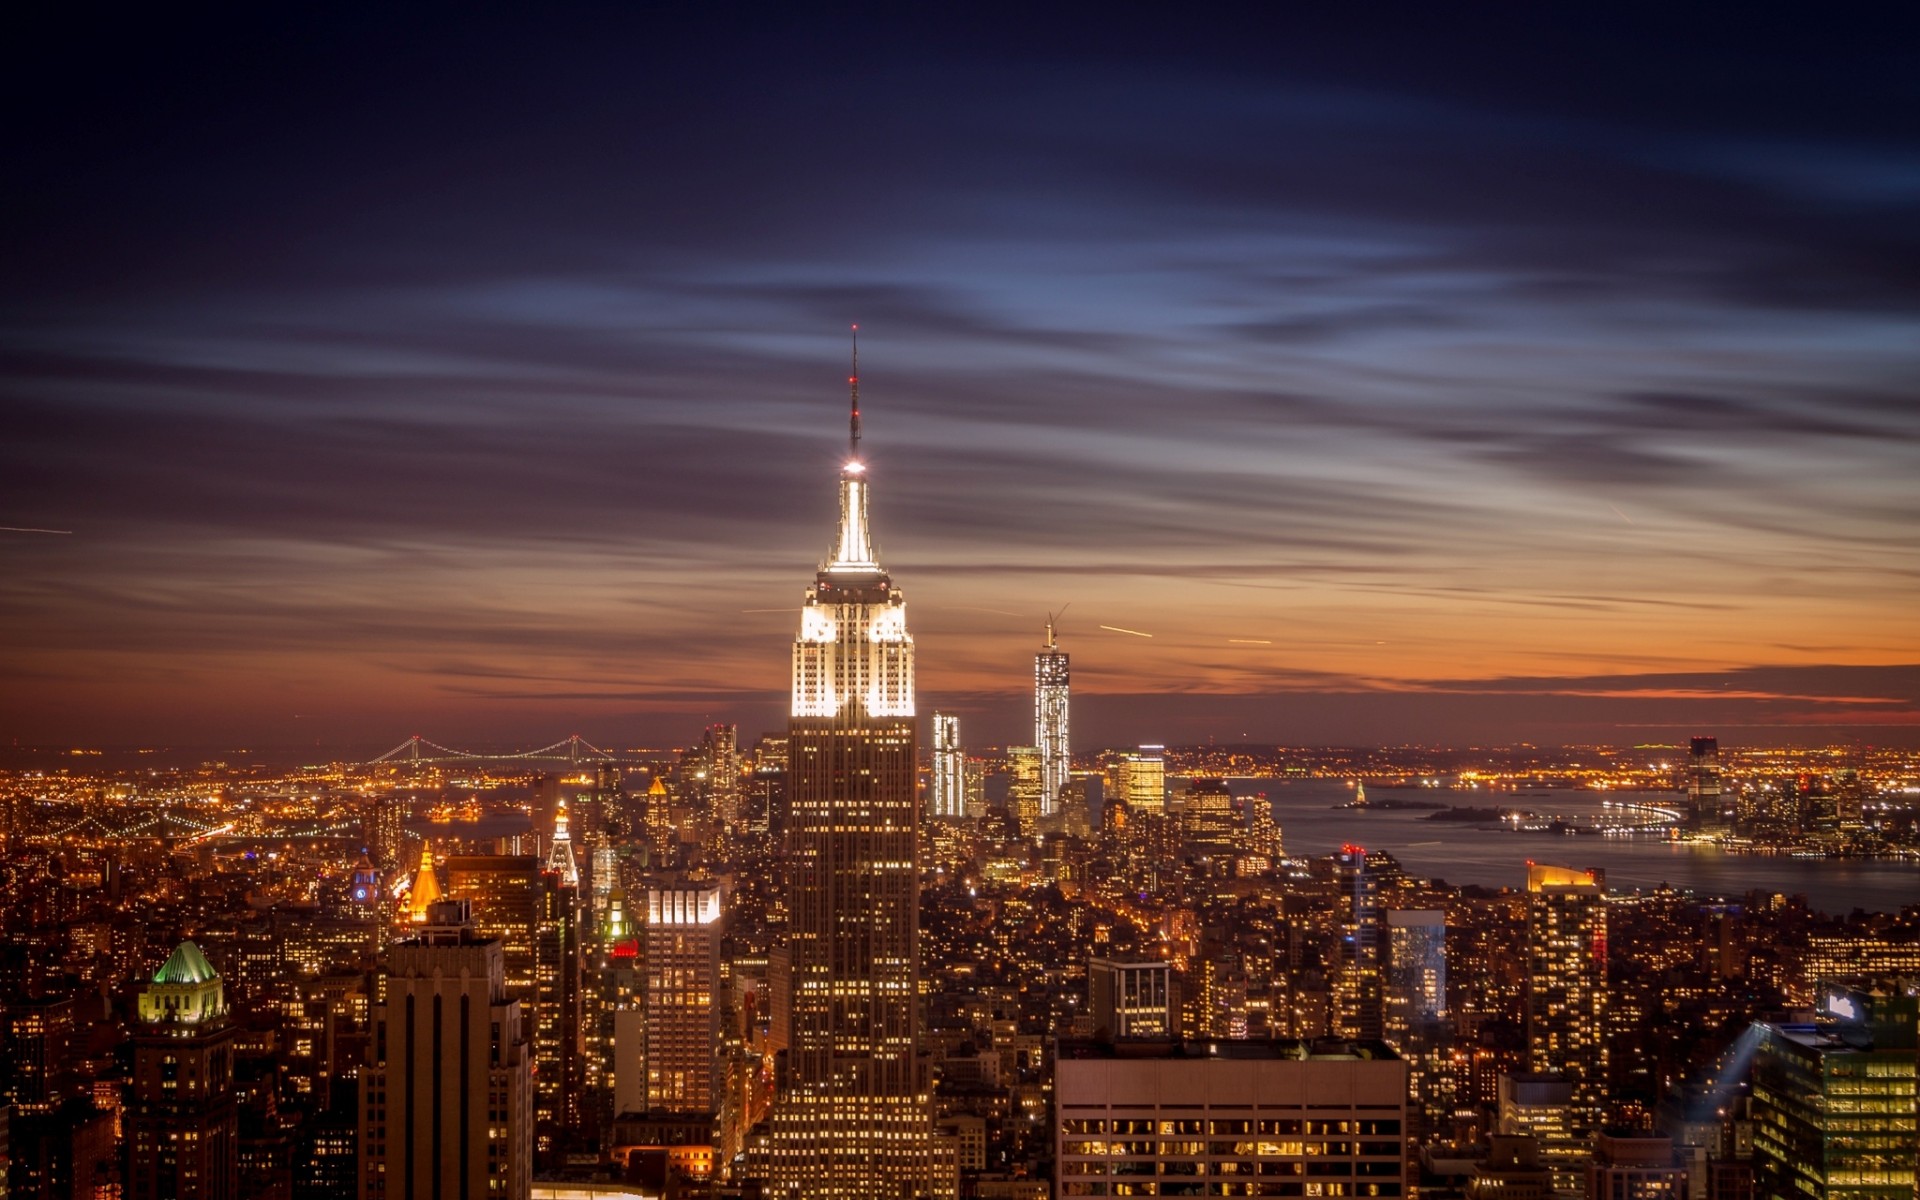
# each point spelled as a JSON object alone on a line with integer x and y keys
{"x": 853, "y": 552}
{"x": 560, "y": 857}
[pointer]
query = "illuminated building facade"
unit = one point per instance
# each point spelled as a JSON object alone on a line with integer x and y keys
{"x": 681, "y": 998}
{"x": 1139, "y": 777}
{"x": 183, "y": 1126}
{"x": 1705, "y": 806}
{"x": 1415, "y": 1010}
{"x": 949, "y": 769}
{"x": 1359, "y": 988}
{"x": 446, "y": 1102}
{"x": 1833, "y": 1101}
{"x": 1130, "y": 999}
{"x": 852, "y": 1120}
{"x": 1567, "y": 985}
{"x": 1238, "y": 1118}
{"x": 1026, "y": 777}
{"x": 1050, "y": 729}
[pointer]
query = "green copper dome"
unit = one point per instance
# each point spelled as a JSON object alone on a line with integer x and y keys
{"x": 186, "y": 965}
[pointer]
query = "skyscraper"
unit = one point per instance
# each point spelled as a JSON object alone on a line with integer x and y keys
{"x": 183, "y": 1128}
{"x": 1359, "y": 987}
{"x": 1050, "y": 721}
{"x": 680, "y": 998}
{"x": 949, "y": 769}
{"x": 1833, "y": 1101}
{"x": 535, "y": 916}
{"x": 1026, "y": 776}
{"x": 852, "y": 1120}
{"x": 1567, "y": 985}
{"x": 1139, "y": 777}
{"x": 1705, "y": 807}
{"x": 446, "y": 1104}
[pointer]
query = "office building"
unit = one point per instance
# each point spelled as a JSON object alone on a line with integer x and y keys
{"x": 1211, "y": 828}
{"x": 536, "y": 919}
{"x": 1833, "y": 1101}
{"x": 681, "y": 999}
{"x": 852, "y": 1120}
{"x": 1139, "y": 777}
{"x": 1130, "y": 999}
{"x": 446, "y": 1102}
{"x": 1230, "y": 1118}
{"x": 1025, "y": 780}
{"x": 183, "y": 1123}
{"x": 1050, "y": 728}
{"x": 949, "y": 769}
{"x": 1706, "y": 811}
{"x": 1567, "y": 985}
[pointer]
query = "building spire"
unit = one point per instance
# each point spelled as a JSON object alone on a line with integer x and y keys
{"x": 560, "y": 858}
{"x": 853, "y": 386}
{"x": 853, "y": 550}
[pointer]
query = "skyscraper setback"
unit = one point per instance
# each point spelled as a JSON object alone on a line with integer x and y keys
{"x": 852, "y": 1120}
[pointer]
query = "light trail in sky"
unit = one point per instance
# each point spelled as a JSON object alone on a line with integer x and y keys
{"x": 30, "y": 529}
{"x": 1134, "y": 632}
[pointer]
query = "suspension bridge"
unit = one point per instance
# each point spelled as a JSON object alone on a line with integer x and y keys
{"x": 418, "y": 749}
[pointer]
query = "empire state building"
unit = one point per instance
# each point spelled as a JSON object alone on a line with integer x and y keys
{"x": 852, "y": 1120}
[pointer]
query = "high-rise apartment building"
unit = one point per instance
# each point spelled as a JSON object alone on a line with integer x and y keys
{"x": 949, "y": 769}
{"x": 1050, "y": 730}
{"x": 446, "y": 1102}
{"x": 1360, "y": 986}
{"x": 183, "y": 1125}
{"x": 1567, "y": 985}
{"x": 681, "y": 998}
{"x": 386, "y": 831}
{"x": 852, "y": 1120}
{"x": 1416, "y": 983}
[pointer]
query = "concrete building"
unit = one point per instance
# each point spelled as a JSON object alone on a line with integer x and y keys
{"x": 1230, "y": 1118}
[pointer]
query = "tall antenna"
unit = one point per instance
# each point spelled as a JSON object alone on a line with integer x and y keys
{"x": 853, "y": 385}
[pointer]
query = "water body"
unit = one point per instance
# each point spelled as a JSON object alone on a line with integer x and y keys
{"x": 1468, "y": 853}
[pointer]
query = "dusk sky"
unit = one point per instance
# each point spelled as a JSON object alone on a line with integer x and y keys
{"x": 1454, "y": 373}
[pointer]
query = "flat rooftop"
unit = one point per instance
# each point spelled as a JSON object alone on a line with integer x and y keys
{"x": 1321, "y": 1049}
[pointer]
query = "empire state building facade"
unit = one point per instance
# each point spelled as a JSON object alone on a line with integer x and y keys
{"x": 852, "y": 1120}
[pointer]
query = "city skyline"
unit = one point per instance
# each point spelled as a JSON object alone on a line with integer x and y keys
{"x": 1397, "y": 401}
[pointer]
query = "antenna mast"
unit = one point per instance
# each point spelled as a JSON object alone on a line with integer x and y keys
{"x": 853, "y": 385}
